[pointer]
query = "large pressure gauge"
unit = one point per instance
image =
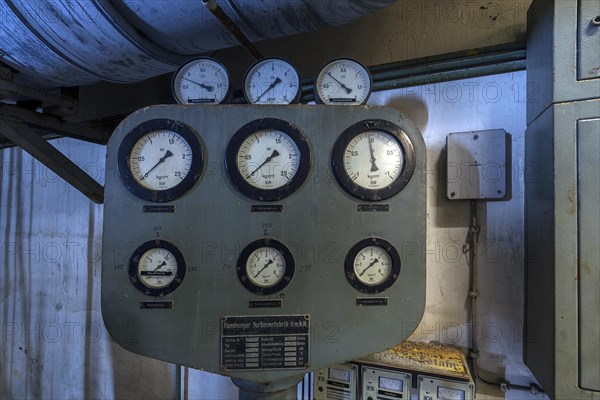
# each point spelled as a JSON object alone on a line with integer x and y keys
{"x": 272, "y": 81}
{"x": 268, "y": 159}
{"x": 201, "y": 81}
{"x": 343, "y": 82}
{"x": 156, "y": 268}
{"x": 160, "y": 159}
{"x": 372, "y": 265}
{"x": 373, "y": 160}
{"x": 265, "y": 266}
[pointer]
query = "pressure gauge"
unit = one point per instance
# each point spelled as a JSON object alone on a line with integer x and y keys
{"x": 268, "y": 159}
{"x": 344, "y": 82}
{"x": 201, "y": 81}
{"x": 159, "y": 160}
{"x": 157, "y": 268}
{"x": 272, "y": 81}
{"x": 372, "y": 265}
{"x": 265, "y": 266}
{"x": 373, "y": 160}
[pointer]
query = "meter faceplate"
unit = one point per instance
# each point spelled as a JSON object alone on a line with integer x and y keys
{"x": 213, "y": 222}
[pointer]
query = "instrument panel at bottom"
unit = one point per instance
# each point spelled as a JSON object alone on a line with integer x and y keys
{"x": 232, "y": 243}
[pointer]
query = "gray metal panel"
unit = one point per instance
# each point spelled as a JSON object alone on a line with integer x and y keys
{"x": 589, "y": 252}
{"x": 213, "y": 222}
{"x": 552, "y": 56}
{"x": 588, "y": 45}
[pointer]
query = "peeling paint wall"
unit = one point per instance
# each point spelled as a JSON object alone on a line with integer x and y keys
{"x": 53, "y": 341}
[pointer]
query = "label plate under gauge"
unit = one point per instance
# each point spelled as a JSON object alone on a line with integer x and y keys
{"x": 265, "y": 342}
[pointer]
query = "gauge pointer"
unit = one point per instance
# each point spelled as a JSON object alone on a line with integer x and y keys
{"x": 375, "y": 261}
{"x": 202, "y": 85}
{"x": 346, "y": 88}
{"x": 373, "y": 165}
{"x": 272, "y": 156}
{"x": 161, "y": 265}
{"x": 167, "y": 155}
{"x": 271, "y": 86}
{"x": 263, "y": 268}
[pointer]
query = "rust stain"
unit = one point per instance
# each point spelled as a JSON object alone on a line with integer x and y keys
{"x": 572, "y": 194}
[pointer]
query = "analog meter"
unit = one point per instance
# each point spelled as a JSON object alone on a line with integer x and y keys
{"x": 156, "y": 268}
{"x": 272, "y": 81}
{"x": 373, "y": 160}
{"x": 343, "y": 82}
{"x": 160, "y": 159}
{"x": 372, "y": 265}
{"x": 265, "y": 266}
{"x": 268, "y": 159}
{"x": 201, "y": 81}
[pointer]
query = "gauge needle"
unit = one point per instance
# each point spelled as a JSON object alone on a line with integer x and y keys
{"x": 263, "y": 268}
{"x": 202, "y": 85}
{"x": 167, "y": 155}
{"x": 373, "y": 165}
{"x": 346, "y": 88}
{"x": 272, "y": 156}
{"x": 375, "y": 261}
{"x": 159, "y": 266}
{"x": 271, "y": 86}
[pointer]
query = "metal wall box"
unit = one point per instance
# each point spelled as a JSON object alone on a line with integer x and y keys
{"x": 562, "y": 53}
{"x": 562, "y": 228}
{"x": 338, "y": 381}
{"x": 476, "y": 165}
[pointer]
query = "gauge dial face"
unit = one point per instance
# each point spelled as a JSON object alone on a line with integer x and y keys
{"x": 157, "y": 268}
{"x": 201, "y": 81}
{"x": 343, "y": 82}
{"x": 271, "y": 81}
{"x": 160, "y": 159}
{"x": 373, "y": 160}
{"x": 265, "y": 267}
{"x": 372, "y": 265}
{"x": 268, "y": 159}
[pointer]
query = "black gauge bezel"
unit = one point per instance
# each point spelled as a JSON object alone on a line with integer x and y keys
{"x": 320, "y": 100}
{"x": 349, "y": 265}
{"x": 240, "y": 182}
{"x": 359, "y": 192}
{"x": 243, "y": 273}
{"x": 160, "y": 196}
{"x": 266, "y": 60}
{"x": 135, "y": 259}
{"x": 195, "y": 60}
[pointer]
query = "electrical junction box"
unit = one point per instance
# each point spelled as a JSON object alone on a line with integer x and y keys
{"x": 263, "y": 242}
{"x": 477, "y": 165}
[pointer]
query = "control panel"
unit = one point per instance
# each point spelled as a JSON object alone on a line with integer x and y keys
{"x": 338, "y": 382}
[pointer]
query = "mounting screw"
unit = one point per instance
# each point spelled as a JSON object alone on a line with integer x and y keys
{"x": 596, "y": 21}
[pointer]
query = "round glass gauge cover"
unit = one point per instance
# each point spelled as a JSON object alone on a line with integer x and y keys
{"x": 160, "y": 159}
{"x": 157, "y": 268}
{"x": 201, "y": 81}
{"x": 265, "y": 266}
{"x": 271, "y": 81}
{"x": 343, "y": 82}
{"x": 268, "y": 159}
{"x": 373, "y": 160}
{"x": 372, "y": 265}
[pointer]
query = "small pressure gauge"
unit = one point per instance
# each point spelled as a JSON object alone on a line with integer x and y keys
{"x": 373, "y": 160}
{"x": 201, "y": 81}
{"x": 372, "y": 265}
{"x": 268, "y": 159}
{"x": 272, "y": 81}
{"x": 157, "y": 268}
{"x": 160, "y": 159}
{"x": 265, "y": 266}
{"x": 343, "y": 82}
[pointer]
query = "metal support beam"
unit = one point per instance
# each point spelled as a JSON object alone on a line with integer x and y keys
{"x": 26, "y": 138}
{"x": 51, "y": 127}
